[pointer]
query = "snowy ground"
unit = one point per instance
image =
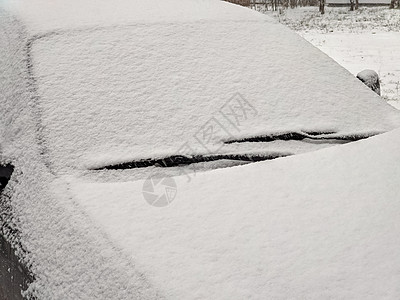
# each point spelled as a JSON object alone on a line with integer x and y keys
{"x": 365, "y": 39}
{"x": 341, "y": 19}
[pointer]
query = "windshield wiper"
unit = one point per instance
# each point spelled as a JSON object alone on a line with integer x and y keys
{"x": 179, "y": 160}
{"x": 299, "y": 136}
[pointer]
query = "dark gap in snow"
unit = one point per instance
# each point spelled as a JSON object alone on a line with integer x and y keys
{"x": 316, "y": 133}
{"x": 14, "y": 276}
{"x": 5, "y": 175}
{"x": 180, "y": 160}
{"x": 270, "y": 138}
{"x": 299, "y": 136}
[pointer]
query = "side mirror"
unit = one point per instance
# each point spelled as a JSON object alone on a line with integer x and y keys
{"x": 5, "y": 175}
{"x": 371, "y": 79}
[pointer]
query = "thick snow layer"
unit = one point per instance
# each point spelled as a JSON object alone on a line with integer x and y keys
{"x": 69, "y": 258}
{"x": 41, "y": 16}
{"x": 72, "y": 91}
{"x": 322, "y": 225}
{"x": 149, "y": 89}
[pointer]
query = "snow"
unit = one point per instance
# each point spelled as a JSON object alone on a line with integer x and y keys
{"x": 363, "y": 20}
{"x": 371, "y": 79}
{"x": 42, "y": 16}
{"x": 357, "y": 52}
{"x": 80, "y": 87}
{"x": 368, "y": 38}
{"x": 368, "y": 76}
{"x": 395, "y": 104}
{"x": 320, "y": 225}
{"x": 138, "y": 105}
{"x": 63, "y": 248}
{"x": 387, "y": 2}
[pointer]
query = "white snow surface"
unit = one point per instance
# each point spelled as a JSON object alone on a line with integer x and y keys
{"x": 321, "y": 225}
{"x": 142, "y": 85}
{"x": 395, "y": 104}
{"x": 368, "y": 76}
{"x": 41, "y": 16}
{"x": 146, "y": 90}
{"x": 367, "y": 38}
{"x": 92, "y": 88}
{"x": 359, "y": 51}
{"x": 340, "y": 19}
{"x": 360, "y": 2}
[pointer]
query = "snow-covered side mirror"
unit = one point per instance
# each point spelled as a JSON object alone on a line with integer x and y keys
{"x": 6, "y": 171}
{"x": 371, "y": 79}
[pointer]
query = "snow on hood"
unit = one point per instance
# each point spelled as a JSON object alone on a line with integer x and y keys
{"x": 322, "y": 225}
{"x": 145, "y": 90}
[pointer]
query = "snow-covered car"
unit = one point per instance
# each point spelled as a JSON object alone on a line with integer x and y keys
{"x": 131, "y": 133}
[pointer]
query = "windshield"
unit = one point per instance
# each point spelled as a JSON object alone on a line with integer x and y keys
{"x": 118, "y": 94}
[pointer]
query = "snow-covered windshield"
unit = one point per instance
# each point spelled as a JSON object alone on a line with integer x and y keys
{"x": 122, "y": 93}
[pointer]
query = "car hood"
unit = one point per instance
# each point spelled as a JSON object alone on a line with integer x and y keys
{"x": 316, "y": 225}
